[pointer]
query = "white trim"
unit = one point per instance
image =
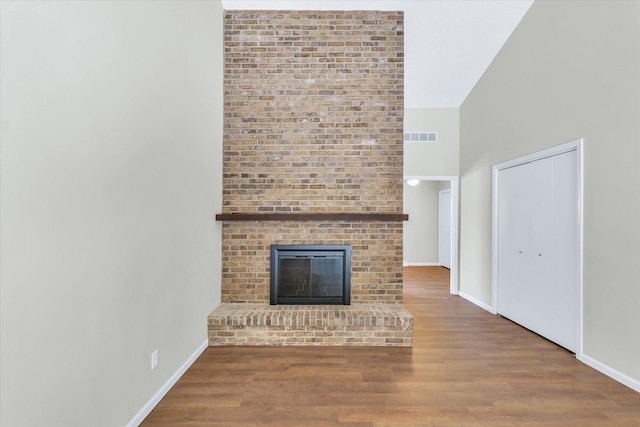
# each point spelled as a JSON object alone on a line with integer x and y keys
{"x": 494, "y": 239}
{"x": 455, "y": 229}
{"x": 455, "y": 209}
{"x": 421, "y": 264}
{"x": 440, "y": 193}
{"x": 476, "y": 302}
{"x": 580, "y": 166}
{"x": 148, "y": 407}
{"x": 612, "y": 373}
{"x": 576, "y": 145}
{"x": 549, "y": 152}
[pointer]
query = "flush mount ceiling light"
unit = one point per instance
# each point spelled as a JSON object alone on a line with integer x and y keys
{"x": 413, "y": 182}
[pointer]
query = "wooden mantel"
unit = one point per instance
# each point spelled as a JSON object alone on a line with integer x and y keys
{"x": 313, "y": 216}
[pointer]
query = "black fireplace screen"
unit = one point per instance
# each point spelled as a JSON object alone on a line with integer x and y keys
{"x": 310, "y": 274}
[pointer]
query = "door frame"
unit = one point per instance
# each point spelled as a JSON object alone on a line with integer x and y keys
{"x": 440, "y": 193}
{"x": 577, "y": 146}
{"x": 454, "y": 287}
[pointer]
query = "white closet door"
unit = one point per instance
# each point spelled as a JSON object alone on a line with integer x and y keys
{"x": 514, "y": 245}
{"x": 537, "y": 247}
{"x": 564, "y": 251}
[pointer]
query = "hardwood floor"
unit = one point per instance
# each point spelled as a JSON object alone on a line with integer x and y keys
{"x": 467, "y": 368}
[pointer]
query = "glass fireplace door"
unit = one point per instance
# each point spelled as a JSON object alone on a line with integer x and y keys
{"x": 310, "y": 276}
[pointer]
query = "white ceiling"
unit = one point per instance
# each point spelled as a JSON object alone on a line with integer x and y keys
{"x": 448, "y": 43}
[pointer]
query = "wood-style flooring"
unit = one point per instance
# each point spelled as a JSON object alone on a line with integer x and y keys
{"x": 466, "y": 368}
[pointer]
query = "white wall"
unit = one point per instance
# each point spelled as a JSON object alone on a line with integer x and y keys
{"x": 110, "y": 179}
{"x": 420, "y": 233}
{"x": 432, "y": 159}
{"x": 570, "y": 70}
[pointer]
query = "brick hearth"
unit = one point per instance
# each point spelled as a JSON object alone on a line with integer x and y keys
{"x": 342, "y": 325}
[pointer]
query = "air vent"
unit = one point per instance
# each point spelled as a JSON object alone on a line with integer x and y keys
{"x": 421, "y": 137}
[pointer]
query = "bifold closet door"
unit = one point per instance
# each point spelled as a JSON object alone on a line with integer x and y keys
{"x": 538, "y": 247}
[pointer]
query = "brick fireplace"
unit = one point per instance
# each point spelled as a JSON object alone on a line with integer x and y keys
{"x": 313, "y": 155}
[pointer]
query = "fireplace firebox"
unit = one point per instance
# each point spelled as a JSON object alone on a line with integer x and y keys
{"x": 310, "y": 274}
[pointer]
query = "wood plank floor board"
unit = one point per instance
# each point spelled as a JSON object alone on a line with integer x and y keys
{"x": 409, "y": 416}
{"x": 466, "y": 368}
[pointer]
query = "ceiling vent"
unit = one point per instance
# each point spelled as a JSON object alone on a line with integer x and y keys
{"x": 421, "y": 137}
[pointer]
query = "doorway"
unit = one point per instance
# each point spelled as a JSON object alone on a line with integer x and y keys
{"x": 452, "y": 239}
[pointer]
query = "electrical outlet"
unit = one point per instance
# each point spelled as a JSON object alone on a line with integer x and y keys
{"x": 154, "y": 360}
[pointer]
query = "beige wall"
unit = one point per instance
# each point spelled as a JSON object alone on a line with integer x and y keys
{"x": 570, "y": 70}
{"x": 110, "y": 177}
{"x": 432, "y": 159}
{"x": 420, "y": 233}
{"x": 444, "y": 185}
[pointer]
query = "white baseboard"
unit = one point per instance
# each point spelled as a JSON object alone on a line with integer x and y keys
{"x": 421, "y": 264}
{"x": 610, "y": 372}
{"x": 148, "y": 407}
{"x": 476, "y": 302}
